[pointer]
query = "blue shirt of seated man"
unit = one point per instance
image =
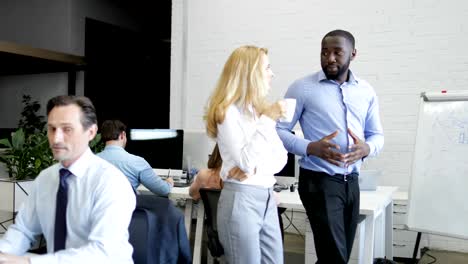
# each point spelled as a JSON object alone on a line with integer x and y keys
{"x": 137, "y": 169}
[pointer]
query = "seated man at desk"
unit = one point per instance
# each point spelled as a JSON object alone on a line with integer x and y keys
{"x": 136, "y": 168}
{"x": 82, "y": 217}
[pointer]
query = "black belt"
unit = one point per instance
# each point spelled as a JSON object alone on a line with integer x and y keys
{"x": 344, "y": 177}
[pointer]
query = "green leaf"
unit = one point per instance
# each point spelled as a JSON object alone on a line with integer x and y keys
{"x": 96, "y": 144}
{"x": 18, "y": 139}
{"x": 37, "y": 163}
{"x": 28, "y": 150}
{"x": 5, "y": 142}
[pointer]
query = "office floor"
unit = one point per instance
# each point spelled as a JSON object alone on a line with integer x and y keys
{"x": 294, "y": 253}
{"x": 443, "y": 257}
{"x": 293, "y": 249}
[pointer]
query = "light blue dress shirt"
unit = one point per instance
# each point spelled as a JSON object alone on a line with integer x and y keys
{"x": 324, "y": 106}
{"x": 99, "y": 210}
{"x": 137, "y": 170}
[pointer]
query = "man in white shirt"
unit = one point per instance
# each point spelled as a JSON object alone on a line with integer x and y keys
{"x": 82, "y": 205}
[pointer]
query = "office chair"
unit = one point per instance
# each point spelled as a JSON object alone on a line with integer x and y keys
{"x": 210, "y": 199}
{"x": 157, "y": 232}
{"x": 140, "y": 232}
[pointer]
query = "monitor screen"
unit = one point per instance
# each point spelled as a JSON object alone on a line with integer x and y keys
{"x": 289, "y": 169}
{"x": 162, "y": 148}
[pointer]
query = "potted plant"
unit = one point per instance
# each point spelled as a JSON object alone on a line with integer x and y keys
{"x": 27, "y": 151}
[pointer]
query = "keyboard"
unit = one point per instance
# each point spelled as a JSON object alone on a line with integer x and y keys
{"x": 279, "y": 187}
{"x": 181, "y": 184}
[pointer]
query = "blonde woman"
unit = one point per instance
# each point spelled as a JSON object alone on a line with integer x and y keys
{"x": 243, "y": 124}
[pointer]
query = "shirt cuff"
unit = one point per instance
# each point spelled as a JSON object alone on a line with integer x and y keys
{"x": 371, "y": 150}
{"x": 301, "y": 146}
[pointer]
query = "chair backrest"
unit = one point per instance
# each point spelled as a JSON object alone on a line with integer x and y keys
{"x": 210, "y": 199}
{"x": 157, "y": 232}
{"x": 141, "y": 229}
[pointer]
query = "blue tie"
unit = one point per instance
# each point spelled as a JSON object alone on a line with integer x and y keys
{"x": 61, "y": 211}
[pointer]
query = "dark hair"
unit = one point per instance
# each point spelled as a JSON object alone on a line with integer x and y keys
{"x": 111, "y": 129}
{"x": 215, "y": 161}
{"x": 88, "y": 117}
{"x": 341, "y": 33}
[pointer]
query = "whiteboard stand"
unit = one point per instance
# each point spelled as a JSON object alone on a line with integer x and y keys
{"x": 439, "y": 179}
{"x": 416, "y": 246}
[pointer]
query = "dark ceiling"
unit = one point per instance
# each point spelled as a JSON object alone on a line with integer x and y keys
{"x": 151, "y": 15}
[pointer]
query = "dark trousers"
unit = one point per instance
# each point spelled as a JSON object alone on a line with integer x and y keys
{"x": 332, "y": 206}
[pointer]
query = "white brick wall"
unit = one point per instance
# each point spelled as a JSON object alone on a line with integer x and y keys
{"x": 404, "y": 47}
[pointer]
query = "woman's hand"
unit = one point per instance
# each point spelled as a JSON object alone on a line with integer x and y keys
{"x": 237, "y": 174}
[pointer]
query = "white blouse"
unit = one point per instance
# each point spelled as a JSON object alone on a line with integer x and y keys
{"x": 253, "y": 145}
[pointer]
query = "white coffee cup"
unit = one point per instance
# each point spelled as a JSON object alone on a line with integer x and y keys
{"x": 290, "y": 105}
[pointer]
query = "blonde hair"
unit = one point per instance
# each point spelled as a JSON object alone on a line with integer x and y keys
{"x": 241, "y": 83}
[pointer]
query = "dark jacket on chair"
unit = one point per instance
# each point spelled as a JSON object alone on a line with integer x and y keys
{"x": 165, "y": 235}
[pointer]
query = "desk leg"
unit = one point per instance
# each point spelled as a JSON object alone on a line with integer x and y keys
{"x": 362, "y": 232}
{"x": 379, "y": 234}
{"x": 389, "y": 231}
{"x": 369, "y": 240}
{"x": 197, "y": 247}
{"x": 188, "y": 216}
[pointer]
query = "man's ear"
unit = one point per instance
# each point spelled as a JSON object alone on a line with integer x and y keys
{"x": 353, "y": 54}
{"x": 92, "y": 131}
{"x": 122, "y": 135}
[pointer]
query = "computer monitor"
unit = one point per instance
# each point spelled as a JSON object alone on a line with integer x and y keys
{"x": 162, "y": 148}
{"x": 197, "y": 146}
{"x": 289, "y": 169}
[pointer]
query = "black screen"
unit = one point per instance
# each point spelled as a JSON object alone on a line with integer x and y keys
{"x": 289, "y": 168}
{"x": 162, "y": 148}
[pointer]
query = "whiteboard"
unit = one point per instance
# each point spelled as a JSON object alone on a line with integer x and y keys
{"x": 438, "y": 195}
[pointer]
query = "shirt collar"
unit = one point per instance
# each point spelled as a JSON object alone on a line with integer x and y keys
{"x": 109, "y": 147}
{"x": 80, "y": 166}
{"x": 352, "y": 78}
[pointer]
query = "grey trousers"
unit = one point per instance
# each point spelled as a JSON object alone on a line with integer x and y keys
{"x": 248, "y": 226}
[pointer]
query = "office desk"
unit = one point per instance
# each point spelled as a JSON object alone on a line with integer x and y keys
{"x": 377, "y": 207}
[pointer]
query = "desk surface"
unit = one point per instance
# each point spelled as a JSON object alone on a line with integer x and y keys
{"x": 176, "y": 192}
{"x": 179, "y": 192}
{"x": 370, "y": 202}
